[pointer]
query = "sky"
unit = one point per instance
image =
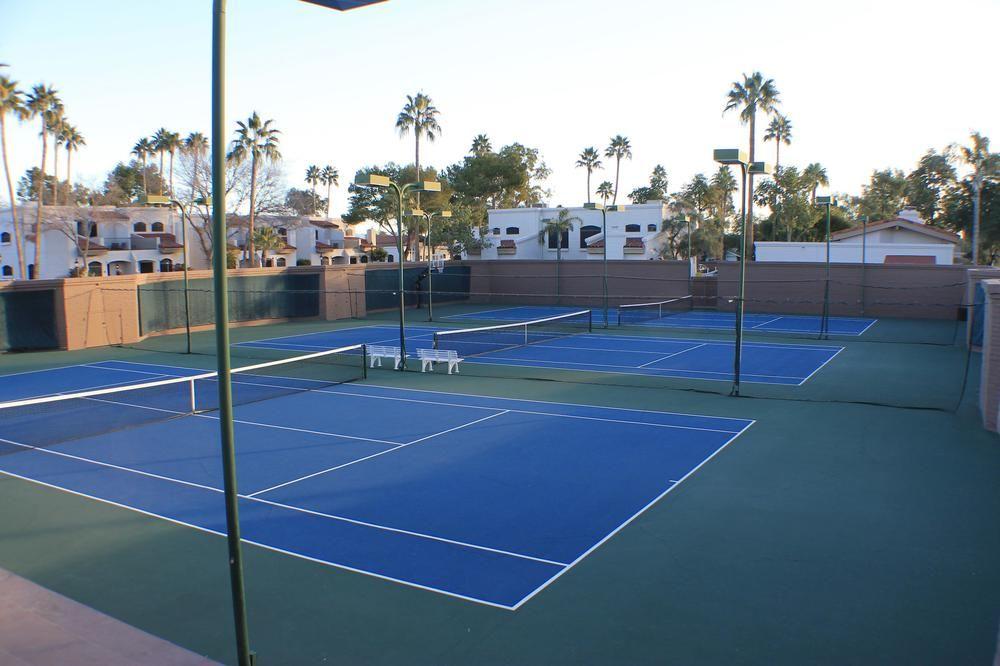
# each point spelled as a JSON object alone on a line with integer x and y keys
{"x": 867, "y": 85}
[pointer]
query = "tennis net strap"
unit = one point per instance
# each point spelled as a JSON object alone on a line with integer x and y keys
{"x": 486, "y": 339}
{"x": 640, "y": 312}
{"x": 53, "y": 419}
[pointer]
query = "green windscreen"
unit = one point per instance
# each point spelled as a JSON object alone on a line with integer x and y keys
{"x": 28, "y": 320}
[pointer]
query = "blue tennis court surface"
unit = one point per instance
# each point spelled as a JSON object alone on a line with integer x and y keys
{"x": 486, "y": 499}
{"x": 705, "y": 319}
{"x": 763, "y": 363}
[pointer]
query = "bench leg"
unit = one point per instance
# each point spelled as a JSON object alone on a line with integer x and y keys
{"x": 397, "y": 360}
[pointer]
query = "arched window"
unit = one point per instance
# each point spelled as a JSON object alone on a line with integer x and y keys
{"x": 496, "y": 231}
{"x": 564, "y": 244}
{"x": 389, "y": 258}
{"x": 5, "y": 238}
{"x": 364, "y": 258}
{"x": 139, "y": 226}
{"x": 81, "y": 229}
{"x": 631, "y": 228}
{"x": 8, "y": 271}
{"x": 166, "y": 265}
{"x": 93, "y": 230}
{"x": 283, "y": 232}
{"x": 281, "y": 263}
{"x": 31, "y": 271}
{"x": 586, "y": 232}
{"x": 512, "y": 231}
{"x": 95, "y": 269}
{"x": 324, "y": 261}
{"x": 157, "y": 226}
{"x": 651, "y": 227}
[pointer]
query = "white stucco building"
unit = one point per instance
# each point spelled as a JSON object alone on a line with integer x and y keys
{"x": 635, "y": 233}
{"x": 904, "y": 239}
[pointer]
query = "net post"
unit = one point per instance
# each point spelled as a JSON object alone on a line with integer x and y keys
{"x": 590, "y": 320}
{"x": 364, "y": 361}
{"x": 194, "y": 404}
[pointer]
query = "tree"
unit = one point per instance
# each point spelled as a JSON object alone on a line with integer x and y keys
{"x": 268, "y": 239}
{"x": 481, "y": 145}
{"x": 419, "y": 115}
{"x": 161, "y": 144}
{"x": 561, "y": 225}
{"x": 985, "y": 167}
{"x": 926, "y": 185}
{"x": 957, "y": 213}
{"x": 787, "y": 195}
{"x": 499, "y": 179}
{"x": 43, "y": 103}
{"x": 258, "y": 141}
{"x": 312, "y": 177}
{"x": 590, "y": 160}
{"x": 605, "y": 190}
{"x": 884, "y": 195}
{"x": 195, "y": 145}
{"x": 174, "y": 144}
{"x": 619, "y": 148}
{"x": 57, "y": 127}
{"x": 73, "y": 140}
{"x": 780, "y": 131}
{"x": 330, "y": 177}
{"x": 142, "y": 149}
{"x": 655, "y": 191}
{"x": 815, "y": 175}
{"x": 12, "y": 103}
{"x": 302, "y": 202}
{"x": 753, "y": 94}
{"x": 530, "y": 161}
{"x": 721, "y": 189}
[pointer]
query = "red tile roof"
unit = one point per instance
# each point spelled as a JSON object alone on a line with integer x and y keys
{"x": 507, "y": 244}
{"x": 897, "y": 223}
{"x": 634, "y": 242}
{"x": 92, "y": 246}
{"x": 915, "y": 259}
{"x": 324, "y": 224}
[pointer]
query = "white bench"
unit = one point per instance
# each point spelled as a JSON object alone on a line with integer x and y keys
{"x": 377, "y": 352}
{"x": 428, "y": 357}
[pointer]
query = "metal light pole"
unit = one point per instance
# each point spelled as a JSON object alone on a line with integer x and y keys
{"x": 416, "y": 212}
{"x": 864, "y": 259}
{"x": 243, "y": 653}
{"x": 730, "y": 157}
{"x": 380, "y": 181}
{"x": 824, "y": 327}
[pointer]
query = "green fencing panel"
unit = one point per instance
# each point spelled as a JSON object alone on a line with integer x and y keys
{"x": 382, "y": 285}
{"x": 28, "y": 320}
{"x": 452, "y": 284}
{"x": 161, "y": 304}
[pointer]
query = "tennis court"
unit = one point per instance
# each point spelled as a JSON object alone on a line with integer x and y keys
{"x": 570, "y": 347}
{"x": 685, "y": 318}
{"x": 473, "y": 497}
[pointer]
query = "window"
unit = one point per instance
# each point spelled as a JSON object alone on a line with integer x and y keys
{"x": 139, "y": 226}
{"x": 354, "y": 260}
{"x": 364, "y": 258}
{"x": 166, "y": 265}
{"x": 283, "y": 232}
{"x": 94, "y": 269}
{"x": 8, "y": 271}
{"x": 280, "y": 262}
{"x": 512, "y": 231}
{"x": 389, "y": 258}
{"x": 631, "y": 228}
{"x": 586, "y": 232}
{"x": 496, "y": 231}
{"x": 157, "y": 226}
{"x": 31, "y": 271}
{"x": 324, "y": 261}
{"x": 651, "y": 227}
{"x": 146, "y": 266}
{"x": 564, "y": 241}
{"x": 5, "y": 238}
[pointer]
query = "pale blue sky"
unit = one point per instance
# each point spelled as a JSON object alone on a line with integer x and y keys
{"x": 866, "y": 84}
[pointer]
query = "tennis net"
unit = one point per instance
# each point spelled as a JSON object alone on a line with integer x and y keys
{"x": 49, "y": 420}
{"x": 487, "y": 339}
{"x": 636, "y": 313}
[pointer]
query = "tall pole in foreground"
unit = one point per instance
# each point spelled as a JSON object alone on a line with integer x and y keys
{"x": 824, "y": 327}
{"x": 604, "y": 250}
{"x": 243, "y": 654}
{"x": 187, "y": 293}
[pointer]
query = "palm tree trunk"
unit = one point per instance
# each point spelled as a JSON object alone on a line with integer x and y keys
{"x": 329, "y": 189}
{"x": 18, "y": 241}
{"x": 618, "y": 165}
{"x": 194, "y": 178}
{"x": 70, "y": 200}
{"x": 777, "y": 168}
{"x": 976, "y": 203}
{"x": 171, "y": 173}
{"x": 38, "y": 206}
{"x": 55, "y": 170}
{"x": 161, "y": 173}
{"x": 145, "y": 187}
{"x": 313, "y": 199}
{"x": 748, "y": 250}
{"x": 588, "y": 184}
{"x": 253, "y": 204}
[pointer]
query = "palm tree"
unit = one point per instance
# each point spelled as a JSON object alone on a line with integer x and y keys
{"x": 563, "y": 224}
{"x": 42, "y": 102}
{"x": 618, "y": 148}
{"x": 313, "y": 178}
{"x": 72, "y": 141}
{"x": 173, "y": 144}
{"x": 780, "y": 131}
{"x": 590, "y": 160}
{"x": 753, "y": 94}
{"x": 724, "y": 184}
{"x": 420, "y": 115}
{"x": 161, "y": 142}
{"x": 257, "y": 140}
{"x": 195, "y": 145}
{"x": 267, "y": 239}
{"x": 605, "y": 190}
{"x": 814, "y": 175}
{"x": 58, "y": 130}
{"x": 985, "y": 166}
{"x": 142, "y": 149}
{"x": 481, "y": 145}
{"x": 329, "y": 176}
{"x": 12, "y": 102}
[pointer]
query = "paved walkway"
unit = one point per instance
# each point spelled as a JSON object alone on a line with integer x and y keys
{"x": 42, "y": 628}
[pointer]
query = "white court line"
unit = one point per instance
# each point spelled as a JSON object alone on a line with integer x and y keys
{"x": 473, "y": 315}
{"x": 374, "y": 455}
{"x": 265, "y": 546}
{"x": 628, "y": 521}
{"x": 482, "y": 360}
{"x": 865, "y": 329}
{"x": 769, "y": 321}
{"x": 821, "y": 366}
{"x": 670, "y": 356}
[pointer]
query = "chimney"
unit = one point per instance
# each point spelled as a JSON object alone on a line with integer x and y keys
{"x": 371, "y": 235}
